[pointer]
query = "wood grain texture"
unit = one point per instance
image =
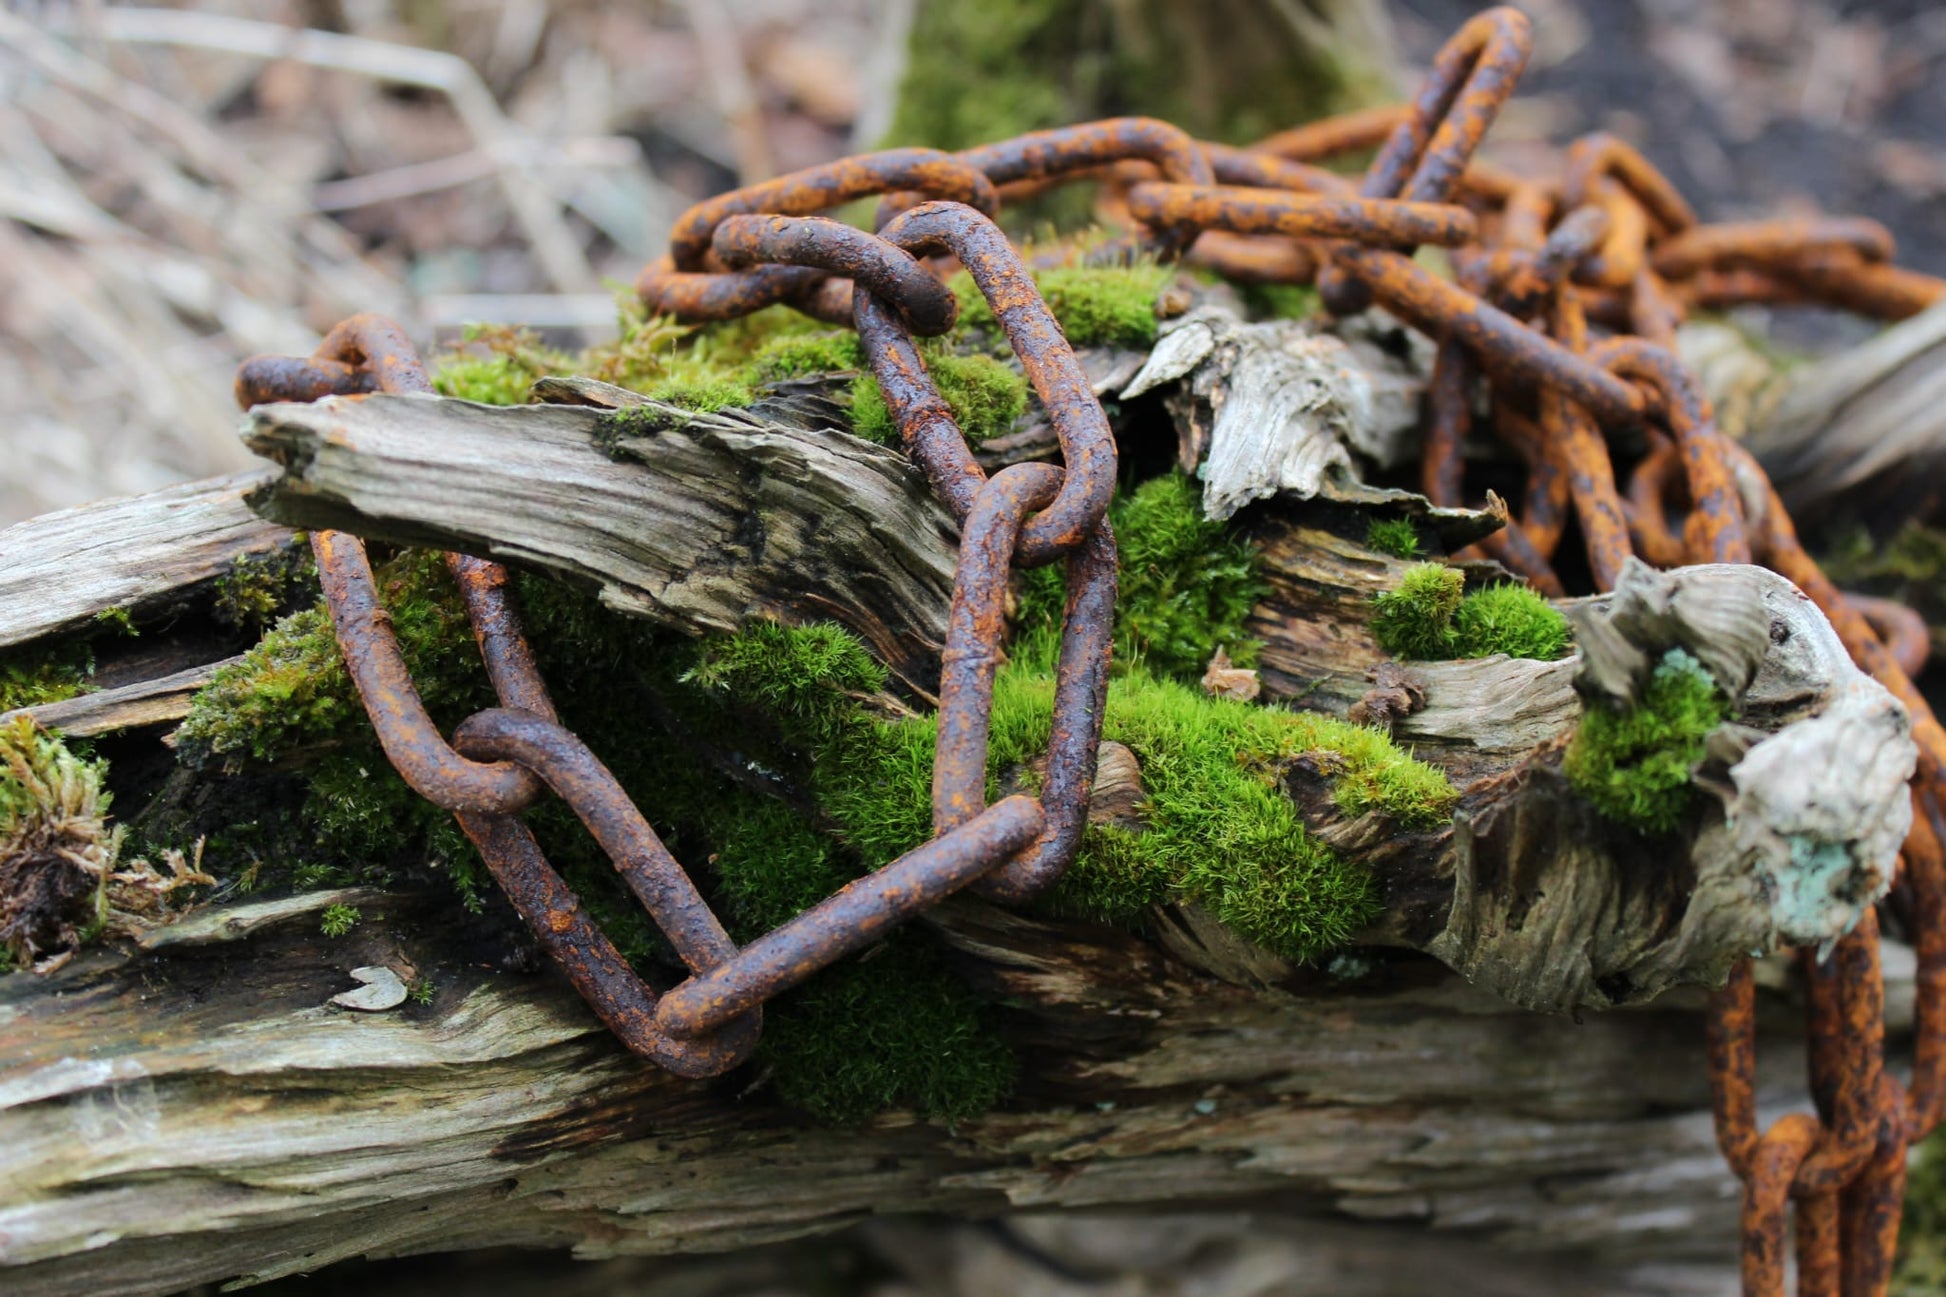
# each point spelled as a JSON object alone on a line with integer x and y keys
{"x": 141, "y": 552}
{"x": 698, "y": 523}
{"x": 255, "y": 1131}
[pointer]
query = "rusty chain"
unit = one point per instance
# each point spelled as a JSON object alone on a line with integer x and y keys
{"x": 1539, "y": 267}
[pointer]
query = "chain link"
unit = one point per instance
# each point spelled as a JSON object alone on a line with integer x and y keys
{"x": 1538, "y": 264}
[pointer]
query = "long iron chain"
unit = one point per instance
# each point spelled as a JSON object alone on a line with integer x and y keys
{"x": 1538, "y": 267}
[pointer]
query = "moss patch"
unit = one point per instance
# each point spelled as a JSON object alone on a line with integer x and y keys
{"x": 34, "y": 674}
{"x": 1415, "y": 620}
{"x": 807, "y": 355}
{"x": 1187, "y": 587}
{"x": 1510, "y": 619}
{"x": 1634, "y": 764}
{"x": 1394, "y": 536}
{"x": 986, "y": 396}
{"x": 56, "y": 848}
{"x": 1921, "y": 1268}
{"x": 1094, "y": 305}
{"x": 1220, "y": 830}
{"x": 1429, "y": 617}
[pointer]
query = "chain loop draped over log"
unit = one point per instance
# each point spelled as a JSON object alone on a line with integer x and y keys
{"x": 1558, "y": 324}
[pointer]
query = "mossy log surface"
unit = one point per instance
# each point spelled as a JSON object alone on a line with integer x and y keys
{"x": 255, "y": 1129}
{"x": 843, "y": 532}
{"x": 200, "y": 1108}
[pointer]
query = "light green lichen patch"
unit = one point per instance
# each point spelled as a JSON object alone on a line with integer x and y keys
{"x": 1429, "y": 617}
{"x": 1634, "y": 764}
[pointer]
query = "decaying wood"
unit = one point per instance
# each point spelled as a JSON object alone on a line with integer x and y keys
{"x": 61, "y": 570}
{"x": 698, "y": 521}
{"x": 255, "y": 1130}
{"x": 1520, "y": 892}
{"x": 262, "y": 1129}
{"x": 1862, "y": 433}
{"x": 155, "y": 701}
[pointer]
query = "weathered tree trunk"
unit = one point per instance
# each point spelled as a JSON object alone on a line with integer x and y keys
{"x": 203, "y": 1106}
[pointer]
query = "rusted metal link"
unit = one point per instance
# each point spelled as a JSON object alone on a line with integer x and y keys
{"x": 972, "y": 656}
{"x": 1258, "y": 170}
{"x": 579, "y": 778}
{"x": 850, "y": 919}
{"x": 1715, "y": 531}
{"x": 897, "y": 277}
{"x": 1545, "y": 505}
{"x": 1449, "y": 407}
{"x": 1250, "y": 259}
{"x": 1472, "y": 76}
{"x": 705, "y": 295}
{"x": 1649, "y": 488}
{"x": 1638, "y": 199}
{"x": 1087, "y": 445}
{"x": 1504, "y": 345}
{"x": 603, "y": 979}
{"x": 1769, "y": 245}
{"x": 1766, "y": 1199}
{"x": 411, "y": 741}
{"x": 1278, "y": 211}
{"x": 1903, "y": 630}
{"x": 1925, "y": 878}
{"x": 263, "y": 379}
{"x": 819, "y": 189}
{"x": 1332, "y": 137}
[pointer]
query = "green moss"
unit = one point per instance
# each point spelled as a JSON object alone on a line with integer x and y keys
{"x": 258, "y": 588}
{"x": 1415, "y": 620}
{"x": 1095, "y": 305}
{"x": 1921, "y": 1270}
{"x": 1187, "y": 586}
{"x": 808, "y": 678}
{"x": 1429, "y": 618}
{"x": 891, "y": 1029}
{"x": 292, "y": 690}
{"x": 1219, "y": 829}
{"x": 33, "y": 674}
{"x": 489, "y": 380}
{"x": 119, "y": 620}
{"x": 807, "y": 355}
{"x": 982, "y": 72}
{"x": 986, "y": 396}
{"x": 339, "y": 920}
{"x": 703, "y": 395}
{"x": 1395, "y": 536}
{"x": 1634, "y": 764}
{"x": 1510, "y": 619}
{"x": 1280, "y": 301}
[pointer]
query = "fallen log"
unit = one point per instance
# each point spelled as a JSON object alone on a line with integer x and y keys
{"x": 203, "y": 1106}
